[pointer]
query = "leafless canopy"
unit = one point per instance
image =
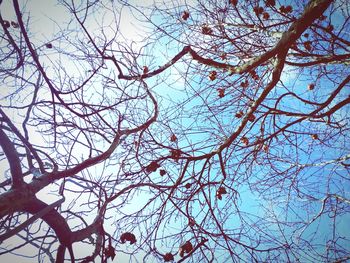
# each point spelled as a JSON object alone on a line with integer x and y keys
{"x": 214, "y": 131}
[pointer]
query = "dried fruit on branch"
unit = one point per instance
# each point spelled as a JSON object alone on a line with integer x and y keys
{"x": 251, "y": 118}
{"x": 311, "y": 86}
{"x": 14, "y": 24}
{"x": 6, "y": 24}
{"x": 212, "y": 75}
{"x": 258, "y": 10}
{"x": 265, "y": 148}
{"x": 185, "y": 248}
{"x": 185, "y": 15}
{"x": 168, "y": 257}
{"x": 221, "y": 191}
{"x": 110, "y": 252}
{"x": 233, "y": 2}
{"x": 245, "y": 140}
{"x": 270, "y": 2}
{"x": 206, "y": 30}
{"x": 48, "y": 45}
{"x": 173, "y": 138}
{"x": 221, "y": 93}
{"x": 314, "y": 136}
{"x": 286, "y": 9}
{"x": 127, "y": 236}
{"x": 175, "y": 154}
{"x": 307, "y": 45}
{"x": 162, "y": 172}
{"x": 244, "y": 84}
{"x": 254, "y": 75}
{"x": 239, "y": 114}
{"x": 266, "y": 15}
{"x": 152, "y": 167}
{"x": 223, "y": 56}
{"x": 145, "y": 69}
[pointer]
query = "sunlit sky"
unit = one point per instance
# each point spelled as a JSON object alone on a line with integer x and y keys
{"x": 46, "y": 19}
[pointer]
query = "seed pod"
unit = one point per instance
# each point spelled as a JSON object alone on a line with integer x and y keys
{"x": 185, "y": 15}
{"x": 152, "y": 167}
{"x": 185, "y": 248}
{"x": 270, "y": 2}
{"x": 233, "y": 2}
{"x": 239, "y": 114}
{"x": 145, "y": 69}
{"x": 14, "y": 24}
{"x": 251, "y": 118}
{"x": 212, "y": 75}
{"x": 258, "y": 10}
{"x": 266, "y": 16}
{"x": 266, "y": 148}
{"x": 168, "y": 257}
{"x": 7, "y": 24}
{"x": 206, "y": 30}
{"x": 173, "y": 138}
{"x": 245, "y": 140}
{"x": 221, "y": 93}
{"x": 244, "y": 84}
{"x": 311, "y": 86}
{"x": 288, "y": 9}
{"x": 127, "y": 236}
{"x": 307, "y": 45}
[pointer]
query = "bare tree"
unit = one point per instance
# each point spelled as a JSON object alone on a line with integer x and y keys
{"x": 220, "y": 136}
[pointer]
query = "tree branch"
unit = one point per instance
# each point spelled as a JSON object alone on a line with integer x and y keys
{"x": 31, "y": 220}
{"x": 12, "y": 158}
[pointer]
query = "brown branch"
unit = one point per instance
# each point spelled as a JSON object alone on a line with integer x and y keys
{"x": 31, "y": 220}
{"x": 314, "y": 114}
{"x": 60, "y": 254}
{"x": 54, "y": 219}
{"x": 11, "y": 200}
{"x": 24, "y": 140}
{"x": 338, "y": 59}
{"x": 334, "y": 108}
{"x": 12, "y": 158}
{"x": 176, "y": 58}
{"x": 35, "y": 57}
{"x": 58, "y": 223}
{"x": 312, "y": 11}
